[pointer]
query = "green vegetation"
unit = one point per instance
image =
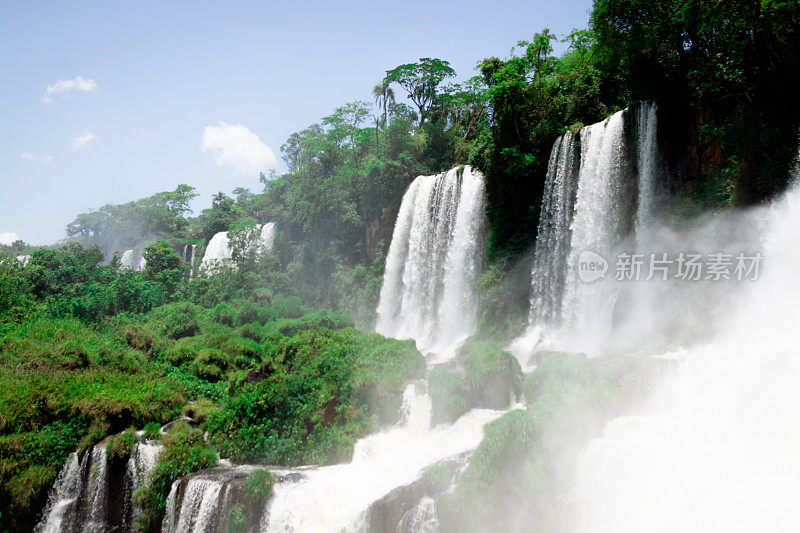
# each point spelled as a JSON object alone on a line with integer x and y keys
{"x": 486, "y": 377}
{"x": 258, "y": 487}
{"x": 89, "y": 351}
{"x": 185, "y": 451}
{"x": 264, "y": 355}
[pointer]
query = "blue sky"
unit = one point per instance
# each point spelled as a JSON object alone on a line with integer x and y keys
{"x": 133, "y": 86}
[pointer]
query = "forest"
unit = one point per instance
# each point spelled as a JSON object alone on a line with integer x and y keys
{"x": 273, "y": 356}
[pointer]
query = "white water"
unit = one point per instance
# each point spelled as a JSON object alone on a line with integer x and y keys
{"x": 719, "y": 449}
{"x": 141, "y": 463}
{"x": 586, "y": 207}
{"x": 218, "y": 251}
{"x": 587, "y": 308}
{"x": 97, "y": 490}
{"x": 267, "y": 238}
{"x": 553, "y": 242}
{"x": 197, "y": 509}
{"x": 647, "y": 165}
{"x": 433, "y": 261}
{"x": 188, "y": 258}
{"x": 133, "y": 260}
{"x": 60, "y": 508}
{"x": 334, "y": 498}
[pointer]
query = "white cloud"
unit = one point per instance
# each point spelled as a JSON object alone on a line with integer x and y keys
{"x": 82, "y": 143}
{"x": 30, "y": 157}
{"x": 79, "y": 83}
{"x": 8, "y": 238}
{"x": 237, "y": 146}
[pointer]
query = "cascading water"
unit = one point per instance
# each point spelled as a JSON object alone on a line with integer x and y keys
{"x": 137, "y": 471}
{"x": 267, "y": 238}
{"x": 79, "y": 498}
{"x": 552, "y": 244}
{"x": 335, "y": 498}
{"x": 433, "y": 260}
{"x": 598, "y": 224}
{"x": 718, "y": 449}
{"x": 188, "y": 257}
{"x": 586, "y": 209}
{"x": 218, "y": 251}
{"x": 133, "y": 260}
{"x": 647, "y": 165}
{"x": 82, "y": 499}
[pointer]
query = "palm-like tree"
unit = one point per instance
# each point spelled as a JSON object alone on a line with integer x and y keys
{"x": 384, "y": 96}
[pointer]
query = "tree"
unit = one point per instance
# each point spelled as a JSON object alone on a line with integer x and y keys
{"x": 163, "y": 264}
{"x": 384, "y": 96}
{"x": 420, "y": 80}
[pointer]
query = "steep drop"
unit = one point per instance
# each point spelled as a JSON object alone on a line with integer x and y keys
{"x": 433, "y": 261}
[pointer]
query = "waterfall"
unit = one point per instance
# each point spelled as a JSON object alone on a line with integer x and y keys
{"x": 188, "y": 257}
{"x": 433, "y": 261}
{"x": 87, "y": 497}
{"x": 132, "y": 259}
{"x": 137, "y": 471}
{"x": 381, "y": 462}
{"x": 267, "y": 237}
{"x": 203, "y": 501}
{"x": 197, "y": 507}
{"x": 553, "y": 241}
{"x": 597, "y": 226}
{"x": 717, "y": 448}
{"x": 59, "y": 512}
{"x": 79, "y": 498}
{"x": 647, "y": 156}
{"x": 586, "y": 210}
{"x": 216, "y": 252}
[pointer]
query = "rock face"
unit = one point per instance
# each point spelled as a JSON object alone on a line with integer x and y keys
{"x": 92, "y": 494}
{"x": 412, "y": 507}
{"x": 216, "y": 500}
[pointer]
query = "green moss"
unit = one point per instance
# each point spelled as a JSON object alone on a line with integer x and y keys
{"x": 237, "y": 519}
{"x": 526, "y": 453}
{"x": 120, "y": 446}
{"x": 451, "y": 395}
{"x": 185, "y": 451}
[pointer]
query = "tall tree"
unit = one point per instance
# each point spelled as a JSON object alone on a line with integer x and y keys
{"x": 420, "y": 80}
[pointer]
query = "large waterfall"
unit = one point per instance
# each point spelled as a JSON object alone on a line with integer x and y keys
{"x": 717, "y": 450}
{"x": 586, "y": 213}
{"x": 434, "y": 259}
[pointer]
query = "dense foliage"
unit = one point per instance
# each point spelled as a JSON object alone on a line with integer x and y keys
{"x": 264, "y": 354}
{"x": 88, "y": 350}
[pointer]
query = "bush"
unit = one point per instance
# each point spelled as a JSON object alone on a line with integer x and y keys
{"x": 209, "y": 364}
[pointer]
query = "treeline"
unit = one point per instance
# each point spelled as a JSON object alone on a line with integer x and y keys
{"x": 721, "y": 72}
